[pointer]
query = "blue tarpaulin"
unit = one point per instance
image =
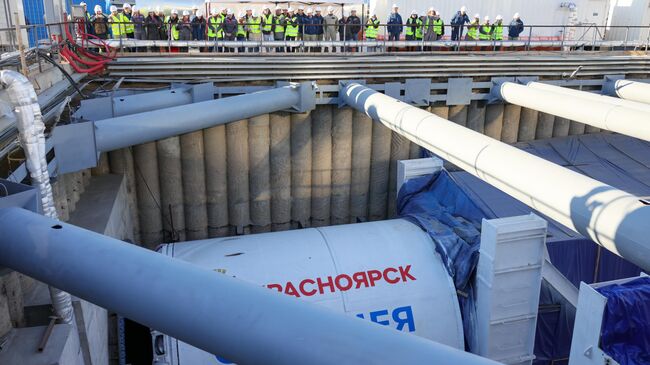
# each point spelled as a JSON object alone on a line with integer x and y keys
{"x": 625, "y": 333}
{"x": 450, "y": 217}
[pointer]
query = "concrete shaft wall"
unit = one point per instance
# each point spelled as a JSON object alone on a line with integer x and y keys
{"x": 281, "y": 171}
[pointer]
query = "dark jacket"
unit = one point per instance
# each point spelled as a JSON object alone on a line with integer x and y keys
{"x": 100, "y": 26}
{"x": 395, "y": 19}
{"x": 515, "y": 28}
{"x": 353, "y": 26}
{"x": 460, "y": 19}
{"x": 230, "y": 25}
{"x": 198, "y": 28}
{"x": 138, "y": 22}
{"x": 184, "y": 28}
{"x": 320, "y": 21}
{"x": 310, "y": 25}
{"x": 342, "y": 28}
{"x": 152, "y": 26}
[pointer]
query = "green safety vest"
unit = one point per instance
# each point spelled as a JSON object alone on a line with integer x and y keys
{"x": 419, "y": 29}
{"x": 437, "y": 26}
{"x": 472, "y": 31}
{"x": 268, "y": 20}
{"x": 130, "y": 27}
{"x": 254, "y": 25}
{"x": 173, "y": 29}
{"x": 220, "y": 19}
{"x": 214, "y": 22}
{"x": 371, "y": 31}
{"x": 409, "y": 22}
{"x": 292, "y": 30}
{"x": 498, "y": 33}
{"x": 241, "y": 31}
{"x": 279, "y": 28}
{"x": 486, "y": 29}
{"x": 118, "y": 28}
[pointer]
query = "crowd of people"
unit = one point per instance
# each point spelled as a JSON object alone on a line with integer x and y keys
{"x": 286, "y": 24}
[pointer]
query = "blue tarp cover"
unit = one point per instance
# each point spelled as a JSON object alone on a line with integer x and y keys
{"x": 450, "y": 217}
{"x": 625, "y": 333}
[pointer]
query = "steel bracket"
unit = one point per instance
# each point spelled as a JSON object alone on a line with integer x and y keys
{"x": 609, "y": 85}
{"x": 417, "y": 91}
{"x": 459, "y": 91}
{"x": 495, "y": 93}
{"x": 394, "y": 90}
{"x": 75, "y": 147}
{"x": 307, "y": 92}
{"x": 342, "y": 85}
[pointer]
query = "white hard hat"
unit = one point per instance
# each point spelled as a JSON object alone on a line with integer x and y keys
{"x": 463, "y": 9}
{"x": 394, "y": 6}
{"x": 318, "y": 9}
{"x": 477, "y": 16}
{"x": 199, "y": 13}
{"x": 214, "y": 11}
{"x": 330, "y": 9}
{"x": 126, "y": 6}
{"x": 430, "y": 9}
{"x": 230, "y": 12}
{"x": 248, "y": 7}
{"x": 135, "y": 8}
{"x": 157, "y": 9}
{"x": 254, "y": 13}
{"x": 186, "y": 13}
{"x": 82, "y": 4}
{"x": 290, "y": 9}
{"x": 414, "y": 12}
{"x": 486, "y": 18}
{"x": 98, "y": 8}
{"x": 301, "y": 7}
{"x": 240, "y": 14}
{"x": 195, "y": 7}
{"x": 277, "y": 7}
{"x": 174, "y": 11}
{"x": 499, "y": 17}
{"x": 309, "y": 10}
{"x": 113, "y": 8}
{"x": 353, "y": 10}
{"x": 516, "y": 16}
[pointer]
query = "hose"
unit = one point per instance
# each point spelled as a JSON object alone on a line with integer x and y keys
{"x": 65, "y": 73}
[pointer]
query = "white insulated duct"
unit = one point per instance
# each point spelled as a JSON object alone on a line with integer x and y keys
{"x": 610, "y": 217}
{"x": 589, "y": 96}
{"x": 616, "y": 118}
{"x": 31, "y": 132}
{"x": 632, "y": 90}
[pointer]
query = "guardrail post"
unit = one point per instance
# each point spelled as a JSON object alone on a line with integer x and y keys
{"x": 530, "y": 36}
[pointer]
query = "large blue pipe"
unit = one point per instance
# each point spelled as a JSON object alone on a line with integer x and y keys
{"x": 219, "y": 314}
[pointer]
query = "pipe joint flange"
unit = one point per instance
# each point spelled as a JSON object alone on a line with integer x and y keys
{"x": 307, "y": 95}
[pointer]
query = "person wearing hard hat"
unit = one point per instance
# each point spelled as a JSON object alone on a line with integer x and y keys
{"x": 473, "y": 28}
{"x": 318, "y": 15}
{"x": 139, "y": 33}
{"x": 254, "y": 29}
{"x": 241, "y": 30}
{"x": 117, "y": 21}
{"x": 300, "y": 15}
{"x": 195, "y": 10}
{"x": 267, "y": 26}
{"x": 372, "y": 30}
{"x": 353, "y": 27}
{"x": 87, "y": 16}
{"x": 330, "y": 22}
{"x": 152, "y": 25}
{"x": 214, "y": 26}
{"x": 291, "y": 32}
{"x": 413, "y": 23}
{"x": 128, "y": 26}
{"x": 515, "y": 28}
{"x": 198, "y": 26}
{"x": 485, "y": 30}
{"x": 310, "y": 26}
{"x": 172, "y": 21}
{"x": 99, "y": 23}
{"x": 458, "y": 22}
{"x": 279, "y": 23}
{"x": 230, "y": 26}
{"x": 163, "y": 25}
{"x": 184, "y": 29}
{"x": 395, "y": 24}
{"x": 497, "y": 28}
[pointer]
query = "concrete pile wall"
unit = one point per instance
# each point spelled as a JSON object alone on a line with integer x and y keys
{"x": 284, "y": 171}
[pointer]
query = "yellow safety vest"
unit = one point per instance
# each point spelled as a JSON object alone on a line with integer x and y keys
{"x": 371, "y": 31}
{"x": 409, "y": 25}
{"x": 214, "y": 22}
{"x": 498, "y": 32}
{"x": 173, "y": 29}
{"x": 254, "y": 25}
{"x": 117, "y": 27}
{"x": 220, "y": 20}
{"x": 418, "y": 30}
{"x": 241, "y": 31}
{"x": 292, "y": 30}
{"x": 279, "y": 28}
{"x": 472, "y": 31}
{"x": 268, "y": 20}
{"x": 130, "y": 27}
{"x": 486, "y": 29}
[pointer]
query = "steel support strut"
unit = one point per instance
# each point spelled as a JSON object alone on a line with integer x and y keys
{"x": 239, "y": 321}
{"x": 610, "y": 217}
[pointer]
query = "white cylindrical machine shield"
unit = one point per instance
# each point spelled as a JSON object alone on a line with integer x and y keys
{"x": 387, "y": 272}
